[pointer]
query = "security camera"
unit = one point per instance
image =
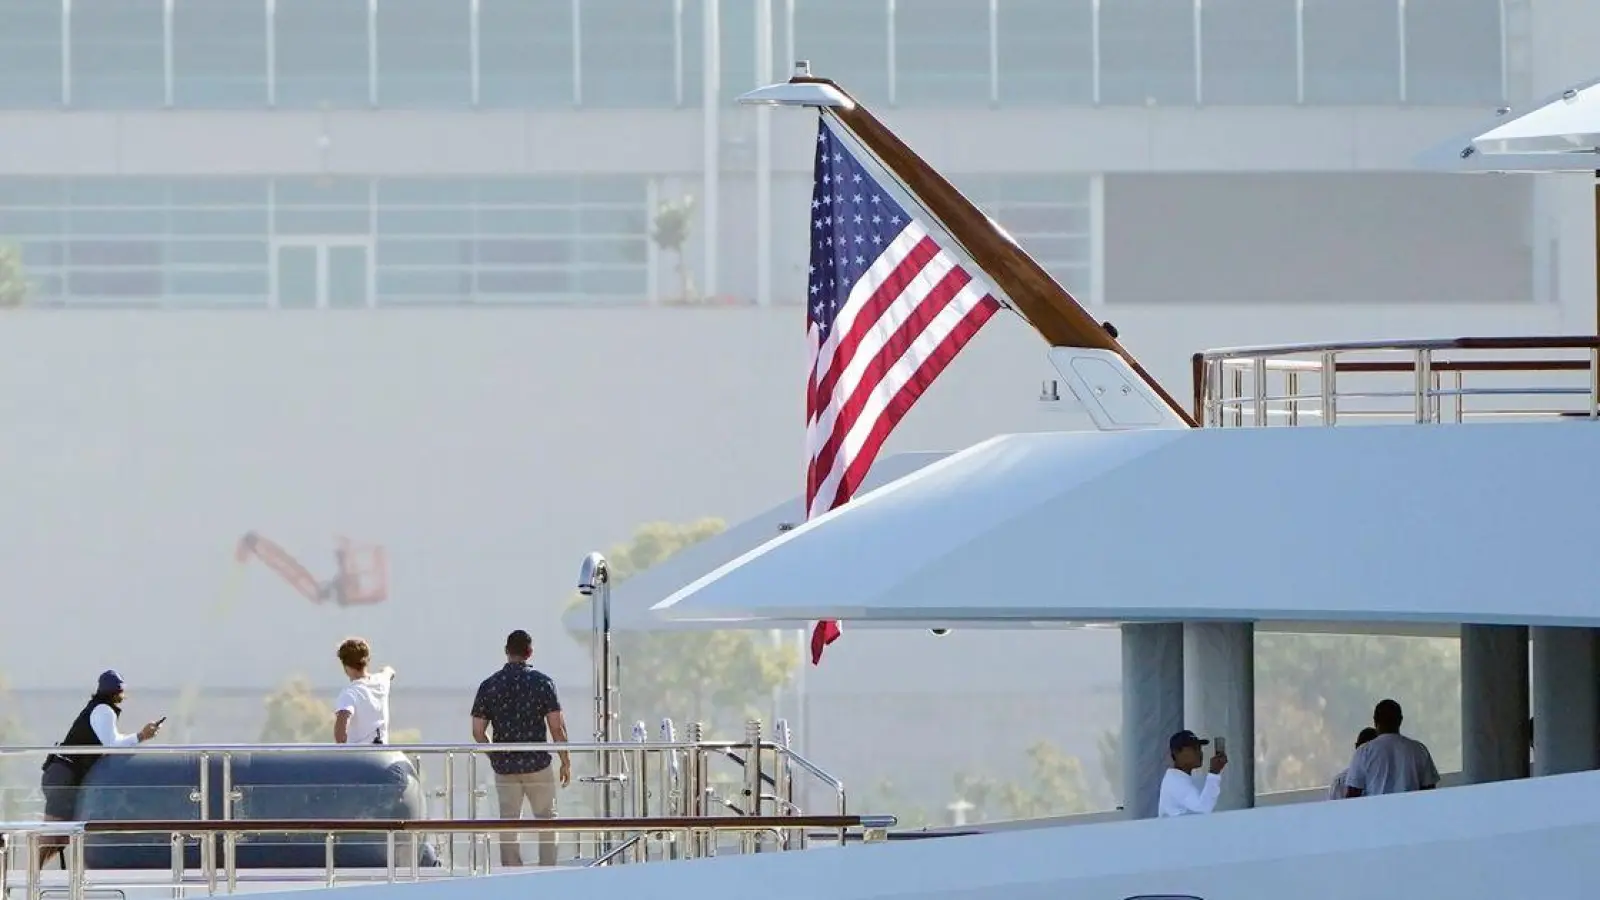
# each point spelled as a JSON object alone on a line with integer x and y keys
{"x": 940, "y": 632}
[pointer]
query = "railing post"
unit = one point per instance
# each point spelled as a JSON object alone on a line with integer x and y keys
{"x": 31, "y": 847}
{"x": 230, "y": 849}
{"x": 641, "y": 786}
{"x": 671, "y": 789}
{"x": 1238, "y": 396}
{"x": 1291, "y": 381}
{"x": 74, "y": 863}
{"x": 449, "y": 813}
{"x": 179, "y": 864}
{"x": 1594, "y": 382}
{"x": 751, "y": 840}
{"x": 694, "y": 788}
{"x": 473, "y": 793}
{"x": 783, "y": 781}
{"x": 1259, "y": 404}
{"x": 1330, "y": 387}
{"x": 208, "y": 843}
{"x": 1421, "y": 393}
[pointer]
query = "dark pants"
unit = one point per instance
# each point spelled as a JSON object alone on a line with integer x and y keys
{"x": 59, "y": 782}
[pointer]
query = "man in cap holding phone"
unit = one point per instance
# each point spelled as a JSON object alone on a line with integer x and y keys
{"x": 1180, "y": 796}
{"x": 95, "y": 726}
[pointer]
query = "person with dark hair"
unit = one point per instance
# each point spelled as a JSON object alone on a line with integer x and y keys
{"x": 1180, "y": 796}
{"x": 95, "y": 726}
{"x": 1390, "y": 763}
{"x": 1336, "y": 790}
{"x": 361, "y": 713}
{"x": 519, "y": 703}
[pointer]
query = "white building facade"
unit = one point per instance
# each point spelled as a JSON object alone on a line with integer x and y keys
{"x": 1154, "y": 154}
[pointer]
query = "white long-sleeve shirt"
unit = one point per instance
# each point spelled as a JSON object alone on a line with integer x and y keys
{"x": 1180, "y": 796}
{"x": 103, "y": 719}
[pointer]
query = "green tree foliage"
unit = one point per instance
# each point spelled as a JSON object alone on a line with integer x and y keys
{"x": 1055, "y": 787}
{"x": 886, "y": 798}
{"x": 1315, "y": 691}
{"x": 14, "y": 286}
{"x": 297, "y": 714}
{"x": 674, "y": 222}
{"x": 716, "y": 677}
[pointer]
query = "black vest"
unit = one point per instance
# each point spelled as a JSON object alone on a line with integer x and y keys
{"x": 81, "y": 734}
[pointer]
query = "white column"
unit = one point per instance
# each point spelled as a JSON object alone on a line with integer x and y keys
{"x": 763, "y": 156}
{"x": 1219, "y": 692}
{"x": 1566, "y": 700}
{"x": 1494, "y": 702}
{"x": 1152, "y": 710}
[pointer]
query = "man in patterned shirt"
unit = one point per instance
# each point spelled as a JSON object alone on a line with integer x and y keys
{"x": 519, "y": 703}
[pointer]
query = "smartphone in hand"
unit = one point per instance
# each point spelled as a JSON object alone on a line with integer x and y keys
{"x": 161, "y": 721}
{"x": 1221, "y": 745}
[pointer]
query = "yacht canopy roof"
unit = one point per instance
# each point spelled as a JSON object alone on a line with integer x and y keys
{"x": 631, "y": 599}
{"x": 1560, "y": 134}
{"x": 1487, "y": 523}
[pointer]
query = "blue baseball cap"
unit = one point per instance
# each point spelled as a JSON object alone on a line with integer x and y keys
{"x": 110, "y": 682}
{"x": 1185, "y": 738}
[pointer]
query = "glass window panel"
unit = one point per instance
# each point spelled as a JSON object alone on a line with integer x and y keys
{"x": 739, "y": 57}
{"x": 425, "y": 192}
{"x": 113, "y": 253}
{"x": 321, "y": 221}
{"x": 424, "y": 53}
{"x": 1247, "y": 51}
{"x": 612, "y": 188}
{"x": 525, "y": 53}
{"x": 1052, "y": 250}
{"x": 116, "y": 221}
{"x": 1147, "y": 52}
{"x": 234, "y": 192}
{"x": 443, "y": 221}
{"x": 1043, "y": 218}
{"x": 1046, "y": 52}
{"x": 321, "y": 51}
{"x": 523, "y": 191}
{"x": 1453, "y": 52}
{"x": 132, "y": 283}
{"x": 218, "y": 222}
{"x": 16, "y": 223}
{"x": 321, "y": 192}
{"x": 222, "y": 283}
{"x": 117, "y": 54}
{"x": 1030, "y": 188}
{"x": 117, "y": 192}
{"x": 43, "y": 253}
{"x": 46, "y": 287}
{"x": 629, "y": 52}
{"x": 614, "y": 220}
{"x": 848, "y": 41}
{"x": 1352, "y": 51}
{"x": 629, "y": 282}
{"x": 219, "y": 54}
{"x": 545, "y": 251}
{"x": 528, "y": 282}
{"x": 613, "y": 250}
{"x": 30, "y": 54}
{"x": 39, "y": 192}
{"x": 217, "y": 253}
{"x": 447, "y": 252}
{"x": 547, "y": 221}
{"x": 941, "y": 52}
{"x": 428, "y": 285}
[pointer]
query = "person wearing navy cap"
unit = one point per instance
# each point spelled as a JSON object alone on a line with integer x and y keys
{"x": 1180, "y": 796}
{"x": 95, "y": 726}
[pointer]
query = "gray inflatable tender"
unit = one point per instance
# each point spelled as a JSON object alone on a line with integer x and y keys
{"x": 332, "y": 784}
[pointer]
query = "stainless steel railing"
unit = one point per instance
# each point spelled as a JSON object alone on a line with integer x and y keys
{"x": 74, "y": 836}
{"x": 1421, "y": 381}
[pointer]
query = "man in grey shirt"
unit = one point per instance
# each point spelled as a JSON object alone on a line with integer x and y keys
{"x": 1390, "y": 763}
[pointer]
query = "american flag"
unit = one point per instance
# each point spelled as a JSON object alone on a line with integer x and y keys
{"x": 888, "y": 308}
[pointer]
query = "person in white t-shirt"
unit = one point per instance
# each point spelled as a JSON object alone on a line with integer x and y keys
{"x": 1390, "y": 763}
{"x": 361, "y": 714}
{"x": 1336, "y": 790}
{"x": 1180, "y": 796}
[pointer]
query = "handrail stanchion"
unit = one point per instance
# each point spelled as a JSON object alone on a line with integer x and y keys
{"x": 1259, "y": 389}
{"x": 694, "y": 789}
{"x": 230, "y": 848}
{"x": 179, "y": 864}
{"x": 641, "y": 787}
{"x": 1330, "y": 387}
{"x": 208, "y": 845}
{"x": 783, "y": 782}
{"x": 329, "y": 865}
{"x": 671, "y": 789}
{"x": 31, "y": 847}
{"x": 1594, "y": 382}
{"x": 1238, "y": 397}
{"x": 1292, "y": 380}
{"x": 449, "y": 810}
{"x": 751, "y": 842}
{"x": 75, "y": 865}
{"x": 1423, "y": 369}
{"x": 472, "y": 810}
{"x": 1461, "y": 396}
{"x": 594, "y": 582}
{"x": 388, "y": 853}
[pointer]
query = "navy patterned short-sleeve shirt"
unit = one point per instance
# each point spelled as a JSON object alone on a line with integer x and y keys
{"x": 515, "y": 701}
